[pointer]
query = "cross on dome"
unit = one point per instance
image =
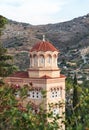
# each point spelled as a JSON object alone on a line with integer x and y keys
{"x": 43, "y": 38}
{"x": 43, "y": 46}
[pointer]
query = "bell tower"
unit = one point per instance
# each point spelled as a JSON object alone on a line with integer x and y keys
{"x": 45, "y": 74}
{"x": 43, "y": 60}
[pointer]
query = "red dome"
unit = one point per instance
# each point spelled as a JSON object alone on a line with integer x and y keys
{"x": 43, "y": 46}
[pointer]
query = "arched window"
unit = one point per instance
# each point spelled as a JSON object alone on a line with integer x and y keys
{"x": 30, "y": 60}
{"x": 35, "y": 59}
{"x": 49, "y": 59}
{"x": 54, "y": 58}
{"x": 42, "y": 59}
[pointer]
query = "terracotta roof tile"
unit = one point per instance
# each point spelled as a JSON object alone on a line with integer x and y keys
{"x": 20, "y": 74}
{"x": 43, "y": 46}
{"x": 62, "y": 76}
{"x": 46, "y": 77}
{"x": 24, "y": 74}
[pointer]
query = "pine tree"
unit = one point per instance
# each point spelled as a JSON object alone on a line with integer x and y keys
{"x": 6, "y": 67}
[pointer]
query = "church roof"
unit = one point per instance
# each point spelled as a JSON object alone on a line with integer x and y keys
{"x": 20, "y": 74}
{"x": 46, "y": 77}
{"x": 43, "y": 46}
{"x": 24, "y": 74}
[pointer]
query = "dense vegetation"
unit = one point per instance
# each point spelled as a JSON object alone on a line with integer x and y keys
{"x": 14, "y": 115}
{"x": 77, "y": 105}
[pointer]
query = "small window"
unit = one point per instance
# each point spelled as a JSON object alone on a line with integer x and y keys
{"x": 55, "y": 111}
{"x": 17, "y": 94}
{"x": 55, "y": 93}
{"x": 37, "y": 94}
{"x": 34, "y": 94}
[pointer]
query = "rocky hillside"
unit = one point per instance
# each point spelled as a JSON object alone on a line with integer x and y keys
{"x": 74, "y": 34}
{"x": 70, "y": 34}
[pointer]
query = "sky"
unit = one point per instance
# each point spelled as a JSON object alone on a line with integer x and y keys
{"x": 39, "y": 12}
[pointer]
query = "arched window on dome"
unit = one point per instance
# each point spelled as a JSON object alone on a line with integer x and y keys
{"x": 54, "y": 58}
{"x": 49, "y": 59}
{"x": 35, "y": 60}
{"x": 30, "y": 60}
{"x": 42, "y": 59}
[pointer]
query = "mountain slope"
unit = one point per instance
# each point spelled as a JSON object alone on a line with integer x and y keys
{"x": 70, "y": 34}
{"x": 19, "y": 37}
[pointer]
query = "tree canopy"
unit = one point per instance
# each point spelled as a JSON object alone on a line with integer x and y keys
{"x": 6, "y": 64}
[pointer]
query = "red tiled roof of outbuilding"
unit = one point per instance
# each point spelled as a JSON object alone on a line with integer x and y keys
{"x": 43, "y": 46}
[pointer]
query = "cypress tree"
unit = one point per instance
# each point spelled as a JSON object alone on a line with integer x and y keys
{"x": 75, "y": 92}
